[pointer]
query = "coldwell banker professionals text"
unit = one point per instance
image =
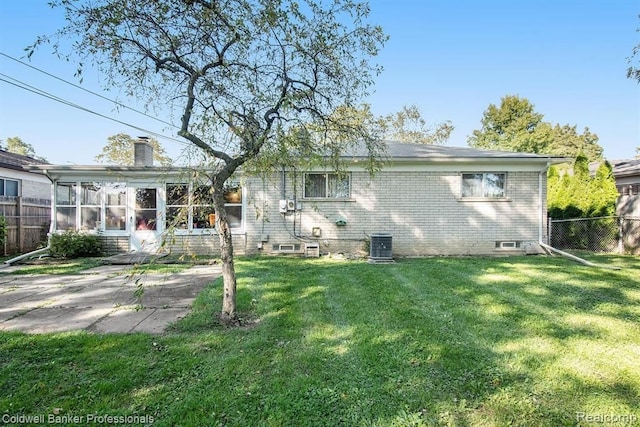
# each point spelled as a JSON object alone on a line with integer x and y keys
{"x": 18, "y": 419}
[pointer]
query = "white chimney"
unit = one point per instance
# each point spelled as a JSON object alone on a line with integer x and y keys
{"x": 142, "y": 152}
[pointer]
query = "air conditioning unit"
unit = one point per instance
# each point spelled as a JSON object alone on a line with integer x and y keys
{"x": 291, "y": 205}
{"x": 380, "y": 248}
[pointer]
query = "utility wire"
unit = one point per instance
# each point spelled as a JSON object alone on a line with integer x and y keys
{"x": 29, "y": 88}
{"x": 87, "y": 90}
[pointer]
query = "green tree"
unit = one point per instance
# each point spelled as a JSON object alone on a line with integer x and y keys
{"x": 633, "y": 72}
{"x": 119, "y": 151}
{"x": 567, "y": 142}
{"x": 18, "y": 146}
{"x": 408, "y": 125}
{"x": 236, "y": 72}
{"x": 513, "y": 126}
{"x": 516, "y": 126}
{"x": 574, "y": 193}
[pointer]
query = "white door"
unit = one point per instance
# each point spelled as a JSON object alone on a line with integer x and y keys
{"x": 145, "y": 220}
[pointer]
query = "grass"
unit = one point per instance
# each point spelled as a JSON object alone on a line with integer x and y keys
{"x": 442, "y": 341}
{"x": 78, "y": 265}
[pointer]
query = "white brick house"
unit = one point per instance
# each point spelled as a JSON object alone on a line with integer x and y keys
{"x": 430, "y": 200}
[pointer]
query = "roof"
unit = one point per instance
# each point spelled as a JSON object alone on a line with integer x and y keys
{"x": 399, "y": 151}
{"x": 395, "y": 151}
{"x": 15, "y": 161}
{"x": 626, "y": 167}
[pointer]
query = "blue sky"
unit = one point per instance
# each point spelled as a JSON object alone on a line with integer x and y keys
{"x": 450, "y": 58}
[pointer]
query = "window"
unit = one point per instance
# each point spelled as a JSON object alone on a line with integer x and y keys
{"x": 177, "y": 206}
{"x": 66, "y": 206}
{"x": 203, "y": 212}
{"x": 90, "y": 205}
{"x": 485, "y": 185}
{"x": 327, "y": 186}
{"x": 233, "y": 205}
{"x": 9, "y": 187}
{"x": 193, "y": 210}
{"x": 115, "y": 206}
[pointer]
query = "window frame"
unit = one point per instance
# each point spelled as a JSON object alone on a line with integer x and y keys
{"x": 485, "y": 188}
{"x": 327, "y": 186}
{"x": 71, "y": 205}
{"x": 3, "y": 187}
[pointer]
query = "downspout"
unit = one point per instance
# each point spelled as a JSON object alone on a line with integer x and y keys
{"x": 51, "y": 223}
{"x": 541, "y": 202}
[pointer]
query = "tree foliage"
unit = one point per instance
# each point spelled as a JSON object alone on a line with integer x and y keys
{"x": 576, "y": 193}
{"x": 633, "y": 72}
{"x": 516, "y": 126}
{"x": 408, "y": 125}
{"x": 119, "y": 150}
{"x": 16, "y": 145}
{"x": 235, "y": 74}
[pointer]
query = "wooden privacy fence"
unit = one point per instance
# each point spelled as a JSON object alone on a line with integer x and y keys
{"x": 27, "y": 222}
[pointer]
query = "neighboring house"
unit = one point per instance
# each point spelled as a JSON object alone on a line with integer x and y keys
{"x": 25, "y": 202}
{"x": 627, "y": 175}
{"x": 15, "y": 181}
{"x": 427, "y": 200}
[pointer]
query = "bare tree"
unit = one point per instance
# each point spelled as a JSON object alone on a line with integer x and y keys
{"x": 237, "y": 73}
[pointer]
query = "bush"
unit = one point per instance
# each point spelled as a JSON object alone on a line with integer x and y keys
{"x": 72, "y": 244}
{"x": 3, "y": 230}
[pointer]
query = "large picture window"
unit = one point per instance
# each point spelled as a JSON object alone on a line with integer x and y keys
{"x": 484, "y": 185}
{"x": 327, "y": 186}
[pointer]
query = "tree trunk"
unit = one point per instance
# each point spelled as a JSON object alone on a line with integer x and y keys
{"x": 228, "y": 314}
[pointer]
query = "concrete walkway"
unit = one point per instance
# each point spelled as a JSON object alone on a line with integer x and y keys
{"x": 100, "y": 300}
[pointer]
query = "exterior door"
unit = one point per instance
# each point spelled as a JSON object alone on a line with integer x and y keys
{"x": 145, "y": 223}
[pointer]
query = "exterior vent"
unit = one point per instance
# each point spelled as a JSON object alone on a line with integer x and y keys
{"x": 380, "y": 248}
{"x": 286, "y": 248}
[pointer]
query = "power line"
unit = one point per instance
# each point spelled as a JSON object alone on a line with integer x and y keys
{"x": 37, "y": 91}
{"x": 87, "y": 90}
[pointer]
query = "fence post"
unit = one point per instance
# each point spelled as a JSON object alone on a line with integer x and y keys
{"x": 19, "y": 228}
{"x": 621, "y": 236}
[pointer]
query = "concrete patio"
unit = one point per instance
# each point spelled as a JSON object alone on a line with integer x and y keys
{"x": 100, "y": 300}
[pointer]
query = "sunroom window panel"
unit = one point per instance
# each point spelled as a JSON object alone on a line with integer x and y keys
{"x": 90, "y": 217}
{"x": 66, "y": 218}
{"x": 90, "y": 194}
{"x": 66, "y": 194}
{"x": 115, "y": 218}
{"x": 234, "y": 216}
{"x": 203, "y": 217}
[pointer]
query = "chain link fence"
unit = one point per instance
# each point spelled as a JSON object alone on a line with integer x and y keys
{"x": 611, "y": 234}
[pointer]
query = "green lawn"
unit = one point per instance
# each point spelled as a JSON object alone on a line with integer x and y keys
{"x": 535, "y": 341}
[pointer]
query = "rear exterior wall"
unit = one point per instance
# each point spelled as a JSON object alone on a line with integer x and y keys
{"x": 422, "y": 211}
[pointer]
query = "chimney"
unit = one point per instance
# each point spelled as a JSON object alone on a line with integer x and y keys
{"x": 142, "y": 152}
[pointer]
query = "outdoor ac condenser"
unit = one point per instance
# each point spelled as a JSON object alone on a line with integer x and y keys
{"x": 380, "y": 247}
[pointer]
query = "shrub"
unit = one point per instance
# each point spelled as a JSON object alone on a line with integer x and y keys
{"x": 72, "y": 244}
{"x": 3, "y": 230}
